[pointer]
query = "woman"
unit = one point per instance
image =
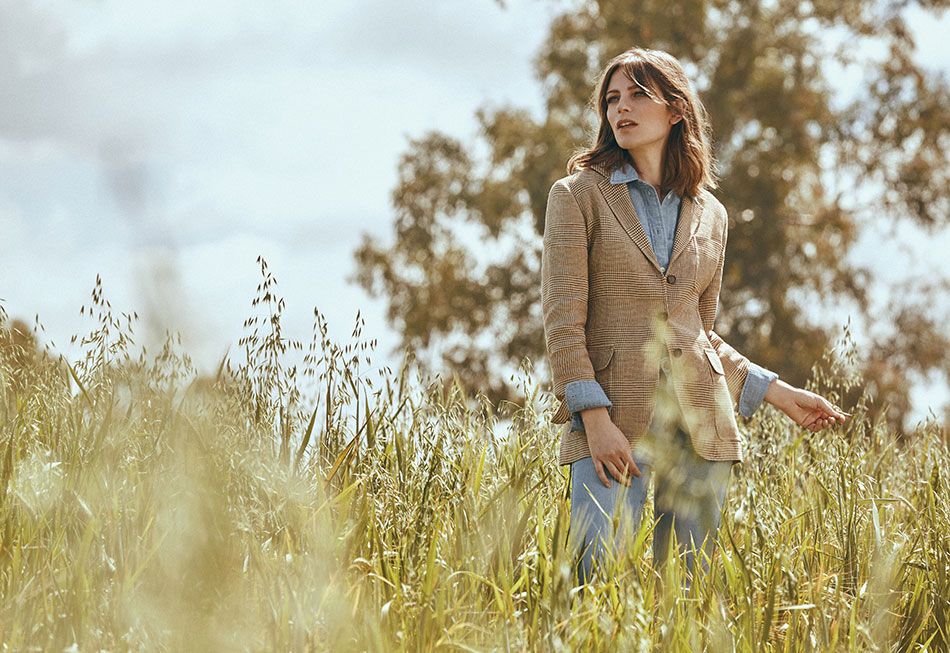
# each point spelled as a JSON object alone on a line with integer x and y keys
{"x": 634, "y": 247}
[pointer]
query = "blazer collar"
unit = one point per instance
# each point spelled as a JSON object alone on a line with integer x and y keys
{"x": 614, "y": 190}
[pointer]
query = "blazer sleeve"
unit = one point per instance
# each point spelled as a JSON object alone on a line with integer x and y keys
{"x": 736, "y": 366}
{"x": 564, "y": 289}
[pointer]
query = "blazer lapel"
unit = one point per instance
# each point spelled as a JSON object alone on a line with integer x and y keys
{"x": 686, "y": 226}
{"x": 618, "y": 198}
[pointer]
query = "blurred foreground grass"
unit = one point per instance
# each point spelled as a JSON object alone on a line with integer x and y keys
{"x": 328, "y": 508}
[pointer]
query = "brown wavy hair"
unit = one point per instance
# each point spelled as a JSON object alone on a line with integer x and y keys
{"x": 688, "y": 160}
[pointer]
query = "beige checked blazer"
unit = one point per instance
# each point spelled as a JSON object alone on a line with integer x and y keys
{"x": 611, "y": 314}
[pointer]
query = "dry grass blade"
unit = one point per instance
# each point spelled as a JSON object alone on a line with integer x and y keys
{"x": 426, "y": 519}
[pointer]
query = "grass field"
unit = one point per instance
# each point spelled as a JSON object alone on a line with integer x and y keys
{"x": 334, "y": 507}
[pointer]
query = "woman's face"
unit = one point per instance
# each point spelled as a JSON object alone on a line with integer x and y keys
{"x": 628, "y": 103}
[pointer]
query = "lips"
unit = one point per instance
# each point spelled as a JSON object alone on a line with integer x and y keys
{"x": 626, "y": 123}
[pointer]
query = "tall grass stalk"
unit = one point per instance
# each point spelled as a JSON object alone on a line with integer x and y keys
{"x": 144, "y": 507}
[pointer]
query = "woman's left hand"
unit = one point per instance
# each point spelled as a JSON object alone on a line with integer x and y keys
{"x": 806, "y": 408}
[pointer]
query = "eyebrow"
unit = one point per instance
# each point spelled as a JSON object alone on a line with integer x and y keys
{"x": 613, "y": 90}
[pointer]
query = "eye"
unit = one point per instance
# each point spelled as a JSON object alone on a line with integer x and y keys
{"x": 611, "y": 99}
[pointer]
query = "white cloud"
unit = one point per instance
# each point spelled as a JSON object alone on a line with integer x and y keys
{"x": 188, "y": 138}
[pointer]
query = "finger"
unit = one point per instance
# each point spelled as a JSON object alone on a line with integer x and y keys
{"x": 808, "y": 420}
{"x": 825, "y": 405}
{"x": 834, "y": 411}
{"x": 617, "y": 471}
{"x": 599, "y": 468}
{"x": 834, "y": 415}
{"x": 632, "y": 466}
{"x": 627, "y": 462}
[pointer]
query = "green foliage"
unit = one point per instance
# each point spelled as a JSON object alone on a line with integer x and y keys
{"x": 142, "y": 508}
{"x": 805, "y": 171}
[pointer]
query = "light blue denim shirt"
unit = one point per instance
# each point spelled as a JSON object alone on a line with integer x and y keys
{"x": 659, "y": 222}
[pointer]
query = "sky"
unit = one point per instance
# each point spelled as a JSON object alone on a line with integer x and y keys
{"x": 164, "y": 146}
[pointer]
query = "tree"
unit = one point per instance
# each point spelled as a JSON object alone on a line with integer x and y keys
{"x": 779, "y": 137}
{"x": 20, "y": 354}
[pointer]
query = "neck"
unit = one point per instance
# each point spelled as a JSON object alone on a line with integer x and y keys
{"x": 648, "y": 161}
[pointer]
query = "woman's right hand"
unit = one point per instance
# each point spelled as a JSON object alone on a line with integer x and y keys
{"x": 609, "y": 448}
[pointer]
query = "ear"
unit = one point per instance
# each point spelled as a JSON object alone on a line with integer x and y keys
{"x": 677, "y": 109}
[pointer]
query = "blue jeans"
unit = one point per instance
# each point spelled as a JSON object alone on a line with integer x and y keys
{"x": 688, "y": 496}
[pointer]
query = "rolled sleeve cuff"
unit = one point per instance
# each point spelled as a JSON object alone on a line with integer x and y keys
{"x": 753, "y": 391}
{"x": 577, "y": 424}
{"x": 581, "y": 395}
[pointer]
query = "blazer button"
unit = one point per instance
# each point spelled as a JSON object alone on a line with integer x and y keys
{"x": 671, "y": 278}
{"x": 677, "y": 352}
{"x": 664, "y": 316}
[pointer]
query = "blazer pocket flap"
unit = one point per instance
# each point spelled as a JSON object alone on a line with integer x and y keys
{"x": 600, "y": 357}
{"x": 714, "y": 360}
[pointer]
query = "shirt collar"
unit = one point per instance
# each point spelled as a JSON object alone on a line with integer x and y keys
{"x": 624, "y": 174}
{"x": 627, "y": 173}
